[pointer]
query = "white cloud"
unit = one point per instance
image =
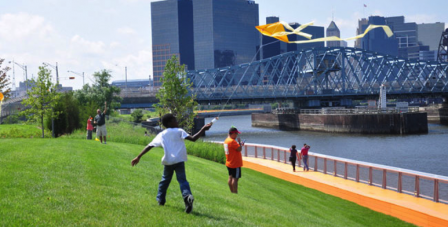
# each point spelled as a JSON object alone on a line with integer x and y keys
{"x": 16, "y": 27}
{"x": 79, "y": 44}
{"x": 138, "y": 65}
{"x": 126, "y": 31}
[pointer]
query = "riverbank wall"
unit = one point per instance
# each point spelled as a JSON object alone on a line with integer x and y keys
{"x": 390, "y": 123}
{"x": 437, "y": 114}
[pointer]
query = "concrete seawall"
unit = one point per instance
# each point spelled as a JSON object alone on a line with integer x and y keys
{"x": 405, "y": 123}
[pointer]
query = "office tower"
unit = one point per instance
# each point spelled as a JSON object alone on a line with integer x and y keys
{"x": 429, "y": 34}
{"x": 172, "y": 34}
{"x": 315, "y": 31}
{"x": 406, "y": 34}
{"x": 360, "y": 30}
{"x": 376, "y": 40}
{"x": 333, "y": 30}
{"x": 270, "y": 46}
{"x": 224, "y": 32}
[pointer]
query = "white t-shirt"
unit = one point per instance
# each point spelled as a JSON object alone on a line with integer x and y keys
{"x": 172, "y": 141}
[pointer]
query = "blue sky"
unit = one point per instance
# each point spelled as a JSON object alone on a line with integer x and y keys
{"x": 91, "y": 35}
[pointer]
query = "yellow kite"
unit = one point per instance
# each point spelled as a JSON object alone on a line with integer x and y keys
{"x": 1, "y": 102}
{"x": 277, "y": 30}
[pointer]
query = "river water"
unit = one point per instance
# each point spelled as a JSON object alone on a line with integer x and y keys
{"x": 426, "y": 153}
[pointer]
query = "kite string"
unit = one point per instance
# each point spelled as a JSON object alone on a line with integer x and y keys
{"x": 253, "y": 59}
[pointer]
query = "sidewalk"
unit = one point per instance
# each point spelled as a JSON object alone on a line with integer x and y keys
{"x": 419, "y": 211}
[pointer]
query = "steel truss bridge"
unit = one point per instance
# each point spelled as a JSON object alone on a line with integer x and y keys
{"x": 319, "y": 73}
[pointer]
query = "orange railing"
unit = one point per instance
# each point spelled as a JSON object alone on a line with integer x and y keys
{"x": 419, "y": 184}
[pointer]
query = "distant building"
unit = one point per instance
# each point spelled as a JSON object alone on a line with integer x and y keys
{"x": 430, "y": 55}
{"x": 204, "y": 34}
{"x": 224, "y": 32}
{"x": 429, "y": 34}
{"x": 172, "y": 26}
{"x": 333, "y": 30}
{"x": 406, "y": 34}
{"x": 359, "y": 31}
{"x": 315, "y": 31}
{"x": 271, "y": 47}
{"x": 376, "y": 40}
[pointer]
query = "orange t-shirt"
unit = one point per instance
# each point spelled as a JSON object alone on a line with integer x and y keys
{"x": 234, "y": 159}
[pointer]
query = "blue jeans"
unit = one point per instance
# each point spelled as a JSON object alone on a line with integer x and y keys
{"x": 168, "y": 172}
{"x": 305, "y": 162}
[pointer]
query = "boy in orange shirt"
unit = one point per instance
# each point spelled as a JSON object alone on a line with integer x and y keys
{"x": 234, "y": 159}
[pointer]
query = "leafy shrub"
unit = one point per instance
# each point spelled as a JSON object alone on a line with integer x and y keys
{"x": 137, "y": 115}
{"x": 11, "y": 119}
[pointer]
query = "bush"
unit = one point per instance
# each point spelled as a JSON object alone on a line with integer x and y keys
{"x": 11, "y": 119}
{"x": 137, "y": 116}
{"x": 69, "y": 117}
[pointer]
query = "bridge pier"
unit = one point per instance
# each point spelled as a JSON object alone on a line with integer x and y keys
{"x": 437, "y": 114}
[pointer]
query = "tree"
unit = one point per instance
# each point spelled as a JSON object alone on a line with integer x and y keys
{"x": 99, "y": 92}
{"x": 69, "y": 118}
{"x": 42, "y": 98}
{"x": 174, "y": 95}
{"x": 137, "y": 116}
{"x": 4, "y": 81}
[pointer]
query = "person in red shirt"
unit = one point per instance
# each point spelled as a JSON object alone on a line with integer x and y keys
{"x": 234, "y": 159}
{"x": 304, "y": 156}
{"x": 89, "y": 128}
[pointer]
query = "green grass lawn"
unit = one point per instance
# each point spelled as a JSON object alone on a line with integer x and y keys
{"x": 22, "y": 131}
{"x": 66, "y": 182}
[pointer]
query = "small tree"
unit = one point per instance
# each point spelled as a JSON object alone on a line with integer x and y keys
{"x": 99, "y": 92}
{"x": 173, "y": 94}
{"x": 4, "y": 81}
{"x": 42, "y": 98}
{"x": 137, "y": 116}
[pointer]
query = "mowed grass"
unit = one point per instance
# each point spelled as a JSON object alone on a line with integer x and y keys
{"x": 67, "y": 182}
{"x": 22, "y": 131}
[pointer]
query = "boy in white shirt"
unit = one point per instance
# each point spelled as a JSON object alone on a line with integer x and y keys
{"x": 172, "y": 141}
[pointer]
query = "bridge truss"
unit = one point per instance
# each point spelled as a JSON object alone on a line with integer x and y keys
{"x": 320, "y": 72}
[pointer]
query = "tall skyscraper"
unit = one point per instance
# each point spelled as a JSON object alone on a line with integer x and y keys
{"x": 172, "y": 34}
{"x": 377, "y": 40}
{"x": 360, "y": 30}
{"x": 333, "y": 30}
{"x": 224, "y": 32}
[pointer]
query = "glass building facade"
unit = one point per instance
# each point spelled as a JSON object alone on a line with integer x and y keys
{"x": 224, "y": 32}
{"x": 172, "y": 34}
{"x": 376, "y": 40}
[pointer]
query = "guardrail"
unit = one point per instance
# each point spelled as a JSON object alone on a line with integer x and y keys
{"x": 359, "y": 111}
{"x": 418, "y": 184}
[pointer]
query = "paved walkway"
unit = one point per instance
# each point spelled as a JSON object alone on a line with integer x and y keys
{"x": 419, "y": 211}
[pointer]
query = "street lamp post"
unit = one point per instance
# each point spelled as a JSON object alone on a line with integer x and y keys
{"x": 23, "y": 67}
{"x": 79, "y": 74}
{"x": 57, "y": 73}
{"x": 57, "y": 86}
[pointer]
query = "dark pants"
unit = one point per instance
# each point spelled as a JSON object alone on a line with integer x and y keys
{"x": 305, "y": 162}
{"x": 168, "y": 172}
{"x": 89, "y": 134}
{"x": 293, "y": 162}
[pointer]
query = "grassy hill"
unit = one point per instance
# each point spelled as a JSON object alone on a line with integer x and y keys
{"x": 64, "y": 182}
